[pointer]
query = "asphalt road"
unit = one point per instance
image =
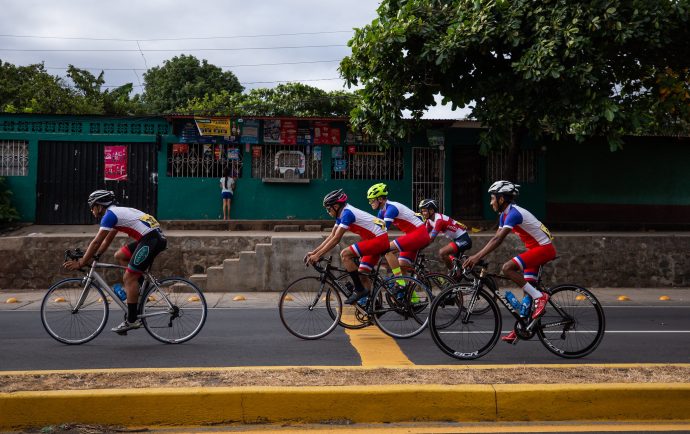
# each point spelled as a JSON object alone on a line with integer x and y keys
{"x": 255, "y": 337}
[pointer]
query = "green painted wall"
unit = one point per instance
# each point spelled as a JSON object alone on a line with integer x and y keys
{"x": 647, "y": 171}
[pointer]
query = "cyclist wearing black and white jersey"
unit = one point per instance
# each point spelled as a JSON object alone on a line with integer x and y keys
{"x": 137, "y": 255}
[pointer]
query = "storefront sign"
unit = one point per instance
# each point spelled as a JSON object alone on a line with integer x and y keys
{"x": 250, "y": 131}
{"x": 115, "y": 163}
{"x": 213, "y": 126}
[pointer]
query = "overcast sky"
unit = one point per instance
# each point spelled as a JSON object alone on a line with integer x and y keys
{"x": 259, "y": 41}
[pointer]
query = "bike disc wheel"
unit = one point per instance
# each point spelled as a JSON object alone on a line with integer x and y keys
{"x": 66, "y": 325}
{"x": 175, "y": 310}
{"x": 402, "y": 317}
{"x": 573, "y": 324}
{"x": 472, "y": 334}
{"x": 309, "y": 308}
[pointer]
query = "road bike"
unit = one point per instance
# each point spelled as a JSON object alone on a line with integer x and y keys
{"x": 75, "y": 310}
{"x": 572, "y": 326}
{"x": 312, "y": 307}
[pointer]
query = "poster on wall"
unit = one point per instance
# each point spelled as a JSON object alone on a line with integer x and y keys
{"x": 339, "y": 165}
{"x": 213, "y": 126}
{"x": 304, "y": 134}
{"x": 317, "y": 153}
{"x": 272, "y": 131}
{"x": 250, "y": 131}
{"x": 115, "y": 158}
{"x": 256, "y": 151}
{"x": 337, "y": 152}
{"x": 233, "y": 154}
{"x": 288, "y": 133}
{"x": 180, "y": 148}
{"x": 321, "y": 133}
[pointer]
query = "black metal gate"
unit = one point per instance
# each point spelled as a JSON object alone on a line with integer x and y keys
{"x": 69, "y": 171}
{"x": 468, "y": 167}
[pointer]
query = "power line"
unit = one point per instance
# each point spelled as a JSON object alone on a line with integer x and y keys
{"x": 257, "y": 82}
{"x": 220, "y": 66}
{"x": 173, "y": 39}
{"x": 166, "y": 50}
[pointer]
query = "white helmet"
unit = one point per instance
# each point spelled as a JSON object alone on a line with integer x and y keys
{"x": 504, "y": 187}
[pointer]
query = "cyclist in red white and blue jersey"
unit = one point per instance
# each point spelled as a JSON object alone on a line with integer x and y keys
{"x": 370, "y": 229}
{"x": 523, "y": 268}
{"x": 137, "y": 256}
{"x": 437, "y": 223}
{"x": 394, "y": 213}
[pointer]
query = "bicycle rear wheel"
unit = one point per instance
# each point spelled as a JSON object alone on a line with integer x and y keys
{"x": 472, "y": 334}
{"x": 64, "y": 322}
{"x": 437, "y": 283}
{"x": 174, "y": 310}
{"x": 573, "y": 324}
{"x": 404, "y": 310}
{"x": 309, "y": 308}
{"x": 352, "y": 318}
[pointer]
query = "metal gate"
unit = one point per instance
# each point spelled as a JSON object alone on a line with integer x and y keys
{"x": 69, "y": 171}
{"x": 428, "y": 175}
{"x": 466, "y": 182}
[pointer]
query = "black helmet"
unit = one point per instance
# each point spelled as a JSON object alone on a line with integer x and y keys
{"x": 428, "y": 203}
{"x": 335, "y": 196}
{"x": 101, "y": 197}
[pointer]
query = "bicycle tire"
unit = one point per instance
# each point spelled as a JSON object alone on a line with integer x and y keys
{"x": 66, "y": 326}
{"x": 306, "y": 308}
{"x": 585, "y": 327}
{"x": 177, "y": 323}
{"x": 351, "y": 318}
{"x": 405, "y": 317}
{"x": 472, "y": 335}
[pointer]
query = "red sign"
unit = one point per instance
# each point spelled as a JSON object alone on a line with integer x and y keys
{"x": 256, "y": 151}
{"x": 288, "y": 132}
{"x": 115, "y": 163}
{"x": 180, "y": 148}
{"x": 321, "y": 133}
{"x": 352, "y": 149}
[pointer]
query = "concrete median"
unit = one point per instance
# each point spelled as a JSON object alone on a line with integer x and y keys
{"x": 347, "y": 404}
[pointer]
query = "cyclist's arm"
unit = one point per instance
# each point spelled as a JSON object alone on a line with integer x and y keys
{"x": 331, "y": 242}
{"x": 90, "y": 251}
{"x": 106, "y": 243}
{"x": 323, "y": 243}
{"x": 493, "y": 243}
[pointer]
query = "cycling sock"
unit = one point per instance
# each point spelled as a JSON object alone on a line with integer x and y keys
{"x": 397, "y": 272}
{"x": 354, "y": 275}
{"x": 531, "y": 290}
{"x": 131, "y": 312}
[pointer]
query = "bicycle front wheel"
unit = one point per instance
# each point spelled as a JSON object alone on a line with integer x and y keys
{"x": 65, "y": 319}
{"x": 309, "y": 308}
{"x": 173, "y": 310}
{"x": 573, "y": 324}
{"x": 401, "y": 311}
{"x": 456, "y": 327}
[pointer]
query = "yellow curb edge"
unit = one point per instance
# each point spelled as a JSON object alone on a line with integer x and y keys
{"x": 357, "y": 404}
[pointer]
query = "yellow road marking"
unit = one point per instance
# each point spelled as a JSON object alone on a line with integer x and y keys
{"x": 375, "y": 348}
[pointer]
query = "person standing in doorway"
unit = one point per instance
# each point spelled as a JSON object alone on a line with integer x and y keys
{"x": 227, "y": 185}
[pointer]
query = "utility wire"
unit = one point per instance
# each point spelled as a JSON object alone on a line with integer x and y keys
{"x": 173, "y": 39}
{"x": 220, "y": 66}
{"x": 259, "y": 82}
{"x": 116, "y": 50}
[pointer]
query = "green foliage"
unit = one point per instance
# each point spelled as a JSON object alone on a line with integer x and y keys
{"x": 182, "y": 79}
{"x": 292, "y": 99}
{"x": 556, "y": 67}
{"x": 8, "y": 213}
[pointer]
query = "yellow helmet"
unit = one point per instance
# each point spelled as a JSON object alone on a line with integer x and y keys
{"x": 377, "y": 190}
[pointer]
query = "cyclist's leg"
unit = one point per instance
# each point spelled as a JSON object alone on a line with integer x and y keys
{"x": 142, "y": 258}
{"x": 124, "y": 254}
{"x": 523, "y": 269}
{"x": 366, "y": 249}
{"x": 458, "y": 246}
{"x": 446, "y": 253}
{"x": 408, "y": 245}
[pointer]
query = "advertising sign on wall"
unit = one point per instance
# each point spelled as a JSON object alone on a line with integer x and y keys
{"x": 115, "y": 162}
{"x": 213, "y": 126}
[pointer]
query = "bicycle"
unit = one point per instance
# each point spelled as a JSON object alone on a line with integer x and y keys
{"x": 311, "y": 307}
{"x": 75, "y": 310}
{"x": 572, "y": 327}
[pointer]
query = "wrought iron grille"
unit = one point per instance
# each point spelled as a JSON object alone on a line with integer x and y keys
{"x": 526, "y": 167}
{"x": 367, "y": 162}
{"x": 286, "y": 162}
{"x": 197, "y": 160}
{"x": 14, "y": 158}
{"x": 428, "y": 169}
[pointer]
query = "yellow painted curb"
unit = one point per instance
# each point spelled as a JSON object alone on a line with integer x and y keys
{"x": 12, "y": 300}
{"x": 623, "y": 298}
{"x": 398, "y": 403}
{"x": 664, "y": 298}
{"x": 239, "y": 298}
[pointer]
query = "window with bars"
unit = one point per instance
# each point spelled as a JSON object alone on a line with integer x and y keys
{"x": 497, "y": 162}
{"x": 367, "y": 162}
{"x": 286, "y": 163}
{"x": 197, "y": 160}
{"x": 428, "y": 179}
{"x": 14, "y": 158}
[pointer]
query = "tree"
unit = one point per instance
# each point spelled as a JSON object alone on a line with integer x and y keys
{"x": 558, "y": 67}
{"x": 91, "y": 99}
{"x": 30, "y": 89}
{"x": 184, "y": 78}
{"x": 292, "y": 99}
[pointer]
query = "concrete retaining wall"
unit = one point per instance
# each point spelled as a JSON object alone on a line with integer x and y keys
{"x": 271, "y": 260}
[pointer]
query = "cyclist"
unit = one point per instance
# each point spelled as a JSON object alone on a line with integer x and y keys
{"x": 138, "y": 255}
{"x": 416, "y": 236}
{"x": 440, "y": 223}
{"x": 523, "y": 268}
{"x": 371, "y": 230}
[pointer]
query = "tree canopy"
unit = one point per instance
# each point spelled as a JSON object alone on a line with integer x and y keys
{"x": 558, "y": 67}
{"x": 184, "y": 78}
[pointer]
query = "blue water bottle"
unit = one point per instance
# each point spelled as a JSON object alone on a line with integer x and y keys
{"x": 513, "y": 301}
{"x": 120, "y": 292}
{"x": 526, "y": 305}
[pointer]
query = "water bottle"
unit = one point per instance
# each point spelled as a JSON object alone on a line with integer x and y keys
{"x": 526, "y": 305}
{"x": 513, "y": 301}
{"x": 120, "y": 292}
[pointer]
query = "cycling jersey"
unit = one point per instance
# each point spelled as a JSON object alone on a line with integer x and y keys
{"x": 530, "y": 230}
{"x": 401, "y": 216}
{"x": 442, "y": 224}
{"x": 131, "y": 221}
{"x": 359, "y": 222}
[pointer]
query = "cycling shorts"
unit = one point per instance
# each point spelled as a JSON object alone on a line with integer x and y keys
{"x": 532, "y": 259}
{"x": 142, "y": 253}
{"x": 410, "y": 243}
{"x": 461, "y": 244}
{"x": 370, "y": 251}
